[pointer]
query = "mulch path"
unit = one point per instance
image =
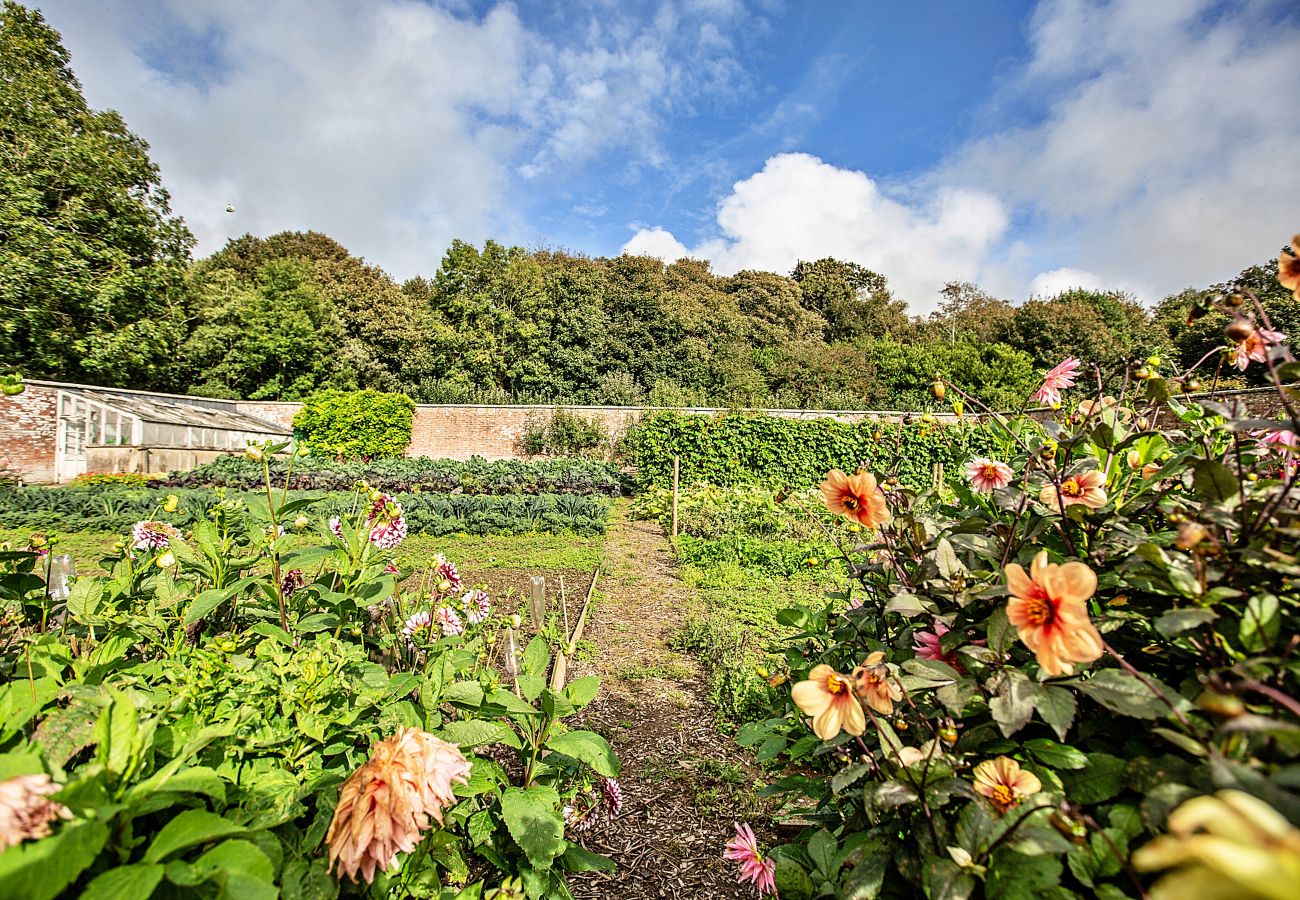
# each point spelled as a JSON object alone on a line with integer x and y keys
{"x": 682, "y": 780}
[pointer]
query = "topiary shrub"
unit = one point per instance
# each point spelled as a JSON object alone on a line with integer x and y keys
{"x": 356, "y": 424}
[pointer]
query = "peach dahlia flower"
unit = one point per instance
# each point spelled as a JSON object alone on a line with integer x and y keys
{"x": 857, "y": 497}
{"x": 1004, "y": 782}
{"x": 1088, "y": 488}
{"x": 385, "y": 806}
{"x": 1048, "y": 608}
{"x": 1255, "y": 347}
{"x": 828, "y": 697}
{"x": 26, "y": 809}
{"x": 1288, "y": 268}
{"x": 872, "y": 682}
{"x": 987, "y": 475}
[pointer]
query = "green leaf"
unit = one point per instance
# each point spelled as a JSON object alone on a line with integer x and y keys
{"x": 1058, "y": 756}
{"x": 1013, "y": 706}
{"x": 866, "y": 878}
{"x": 1176, "y": 621}
{"x": 1100, "y": 780}
{"x": 471, "y": 732}
{"x": 1260, "y": 623}
{"x": 1123, "y": 693}
{"x": 40, "y": 870}
{"x": 537, "y": 657}
{"x": 464, "y": 693}
{"x": 533, "y": 819}
{"x": 1014, "y": 876}
{"x": 1213, "y": 481}
{"x": 587, "y": 747}
{"x": 1056, "y": 706}
{"x": 194, "y": 826}
{"x": 792, "y": 882}
{"x": 582, "y": 691}
{"x": 136, "y": 882}
{"x": 1001, "y": 634}
{"x": 578, "y": 859}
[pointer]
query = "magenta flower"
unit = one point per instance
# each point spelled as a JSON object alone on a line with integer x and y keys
{"x": 151, "y": 535}
{"x": 336, "y": 527}
{"x": 1057, "y": 380}
{"x": 988, "y": 475}
{"x": 387, "y": 534}
{"x": 477, "y": 606}
{"x": 1279, "y": 441}
{"x": 754, "y": 868}
{"x": 927, "y": 643}
{"x": 448, "y": 576}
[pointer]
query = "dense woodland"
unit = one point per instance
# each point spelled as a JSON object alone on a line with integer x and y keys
{"x": 97, "y": 285}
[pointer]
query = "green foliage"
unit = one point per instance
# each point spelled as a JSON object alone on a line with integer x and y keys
{"x": 563, "y": 433}
{"x": 1193, "y": 690}
{"x": 110, "y": 479}
{"x": 92, "y": 261}
{"x": 115, "y": 509}
{"x": 473, "y": 476}
{"x": 742, "y": 448}
{"x": 198, "y": 708}
{"x": 356, "y": 424}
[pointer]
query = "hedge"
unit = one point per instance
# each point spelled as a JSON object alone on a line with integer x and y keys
{"x": 474, "y": 476}
{"x": 751, "y": 448}
{"x": 356, "y": 424}
{"x": 99, "y": 509}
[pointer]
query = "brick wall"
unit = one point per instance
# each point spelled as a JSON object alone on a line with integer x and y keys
{"x": 28, "y": 423}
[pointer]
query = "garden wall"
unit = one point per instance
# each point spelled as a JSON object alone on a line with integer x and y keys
{"x": 28, "y": 429}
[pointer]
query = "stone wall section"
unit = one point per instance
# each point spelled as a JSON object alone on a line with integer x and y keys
{"x": 28, "y": 429}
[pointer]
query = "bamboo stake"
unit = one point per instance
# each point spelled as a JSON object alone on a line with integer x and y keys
{"x": 677, "y": 481}
{"x": 561, "y": 668}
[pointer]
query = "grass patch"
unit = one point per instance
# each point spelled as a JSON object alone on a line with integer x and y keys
{"x": 668, "y": 670}
{"x": 517, "y": 551}
{"x": 85, "y": 547}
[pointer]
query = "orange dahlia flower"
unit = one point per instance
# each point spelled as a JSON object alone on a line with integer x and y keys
{"x": 385, "y": 806}
{"x": 857, "y": 496}
{"x": 1088, "y": 488}
{"x": 1288, "y": 268}
{"x": 1004, "y": 782}
{"x": 1048, "y": 608}
{"x": 827, "y": 696}
{"x": 872, "y": 682}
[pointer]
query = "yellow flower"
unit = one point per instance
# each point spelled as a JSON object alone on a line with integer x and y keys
{"x": 1048, "y": 608}
{"x": 1229, "y": 844}
{"x": 827, "y": 696}
{"x": 1004, "y": 783}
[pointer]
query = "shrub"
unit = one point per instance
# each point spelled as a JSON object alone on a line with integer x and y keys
{"x": 746, "y": 448}
{"x": 473, "y": 476}
{"x": 197, "y": 715}
{"x": 983, "y": 729}
{"x": 563, "y": 433}
{"x": 110, "y": 479}
{"x": 356, "y": 424}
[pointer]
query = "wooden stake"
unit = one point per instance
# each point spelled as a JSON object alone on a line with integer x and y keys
{"x": 561, "y": 668}
{"x": 677, "y": 483}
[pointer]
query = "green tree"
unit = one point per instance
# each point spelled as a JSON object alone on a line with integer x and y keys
{"x": 851, "y": 299}
{"x": 91, "y": 260}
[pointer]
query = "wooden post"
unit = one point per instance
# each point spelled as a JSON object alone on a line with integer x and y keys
{"x": 677, "y": 483}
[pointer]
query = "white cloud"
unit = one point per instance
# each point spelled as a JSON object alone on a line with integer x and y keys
{"x": 1048, "y": 284}
{"x": 799, "y": 207}
{"x": 1163, "y": 158}
{"x": 392, "y": 125}
{"x": 656, "y": 242}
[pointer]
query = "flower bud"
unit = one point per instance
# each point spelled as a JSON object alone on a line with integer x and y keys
{"x": 938, "y": 391}
{"x": 301, "y": 522}
{"x": 516, "y": 620}
{"x": 253, "y": 452}
{"x": 1189, "y": 535}
{"x": 166, "y": 561}
{"x": 1153, "y": 360}
{"x": 171, "y": 503}
{"x": 1238, "y": 330}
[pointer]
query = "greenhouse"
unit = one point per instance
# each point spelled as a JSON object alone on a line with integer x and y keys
{"x": 102, "y": 431}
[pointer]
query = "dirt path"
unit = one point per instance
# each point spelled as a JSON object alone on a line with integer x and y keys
{"x": 684, "y": 784}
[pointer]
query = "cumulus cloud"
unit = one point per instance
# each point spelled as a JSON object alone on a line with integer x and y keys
{"x": 800, "y": 207}
{"x": 1162, "y": 158}
{"x": 392, "y": 125}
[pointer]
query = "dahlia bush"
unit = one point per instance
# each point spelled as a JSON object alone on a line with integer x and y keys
{"x": 265, "y": 705}
{"x": 1075, "y": 675}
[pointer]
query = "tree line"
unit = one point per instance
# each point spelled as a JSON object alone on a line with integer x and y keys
{"x": 97, "y": 285}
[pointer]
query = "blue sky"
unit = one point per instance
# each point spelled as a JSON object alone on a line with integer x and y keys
{"x": 1027, "y": 146}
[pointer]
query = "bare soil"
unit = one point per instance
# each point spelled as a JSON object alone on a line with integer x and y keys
{"x": 684, "y": 784}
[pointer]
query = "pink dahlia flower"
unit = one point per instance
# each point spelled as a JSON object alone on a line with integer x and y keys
{"x": 449, "y": 621}
{"x": 477, "y": 606}
{"x": 1057, "y": 380}
{"x": 754, "y": 868}
{"x": 448, "y": 576}
{"x": 336, "y": 527}
{"x": 151, "y": 535}
{"x": 988, "y": 475}
{"x": 387, "y": 534}
{"x": 421, "y": 621}
{"x": 1255, "y": 347}
{"x": 1279, "y": 441}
